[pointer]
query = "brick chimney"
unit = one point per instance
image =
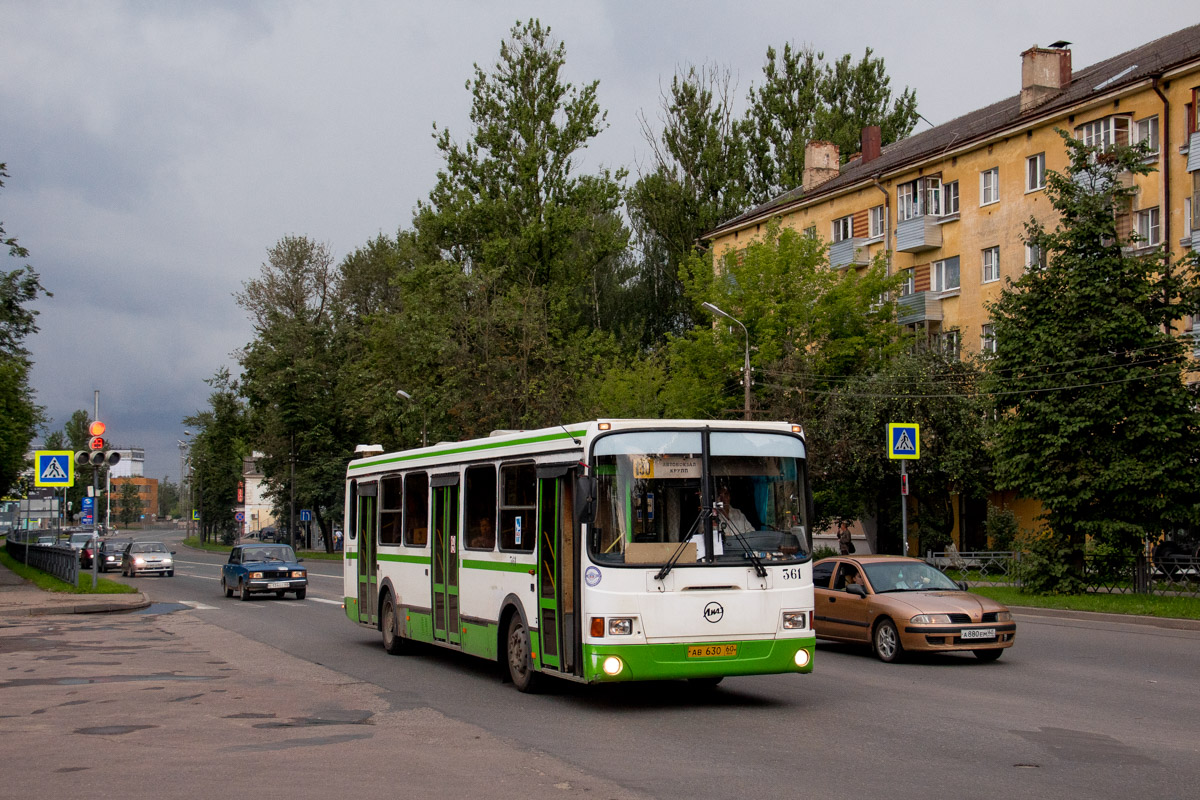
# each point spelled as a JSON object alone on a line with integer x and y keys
{"x": 820, "y": 164}
{"x": 872, "y": 138}
{"x": 1044, "y": 73}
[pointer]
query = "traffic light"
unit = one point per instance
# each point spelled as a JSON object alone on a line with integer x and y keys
{"x": 96, "y": 430}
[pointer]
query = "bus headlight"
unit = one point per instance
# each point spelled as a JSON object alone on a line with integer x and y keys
{"x": 612, "y": 666}
{"x": 795, "y": 620}
{"x": 802, "y": 658}
{"x": 620, "y": 626}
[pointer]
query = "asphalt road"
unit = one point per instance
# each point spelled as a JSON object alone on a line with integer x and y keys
{"x": 1077, "y": 708}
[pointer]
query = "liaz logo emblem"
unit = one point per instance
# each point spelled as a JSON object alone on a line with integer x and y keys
{"x": 713, "y": 612}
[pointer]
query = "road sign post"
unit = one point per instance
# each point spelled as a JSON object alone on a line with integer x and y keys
{"x": 904, "y": 444}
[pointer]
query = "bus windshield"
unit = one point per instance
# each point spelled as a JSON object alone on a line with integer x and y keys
{"x": 653, "y": 495}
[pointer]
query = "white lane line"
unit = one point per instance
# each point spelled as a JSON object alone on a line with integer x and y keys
{"x": 322, "y": 600}
{"x": 197, "y": 605}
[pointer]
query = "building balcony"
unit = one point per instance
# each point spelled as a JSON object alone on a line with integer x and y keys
{"x": 1194, "y": 152}
{"x": 917, "y": 234}
{"x": 848, "y": 252}
{"x": 919, "y": 307}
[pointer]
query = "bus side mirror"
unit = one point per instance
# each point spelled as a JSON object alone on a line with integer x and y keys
{"x": 585, "y": 500}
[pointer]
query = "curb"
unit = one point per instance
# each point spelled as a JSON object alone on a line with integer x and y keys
{"x": 1171, "y": 623}
{"x": 83, "y": 607}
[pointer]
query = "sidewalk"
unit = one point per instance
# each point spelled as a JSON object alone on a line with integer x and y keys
{"x": 20, "y": 598}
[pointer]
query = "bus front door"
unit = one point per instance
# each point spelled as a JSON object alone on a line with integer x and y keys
{"x": 368, "y": 575}
{"x": 445, "y": 564}
{"x": 555, "y": 574}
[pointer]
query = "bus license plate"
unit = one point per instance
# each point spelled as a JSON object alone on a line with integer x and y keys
{"x": 712, "y": 650}
{"x": 979, "y": 633}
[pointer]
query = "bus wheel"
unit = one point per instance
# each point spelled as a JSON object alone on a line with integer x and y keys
{"x": 389, "y": 620}
{"x": 520, "y": 666}
{"x": 706, "y": 683}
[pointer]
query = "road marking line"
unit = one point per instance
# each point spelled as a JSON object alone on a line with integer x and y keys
{"x": 197, "y": 605}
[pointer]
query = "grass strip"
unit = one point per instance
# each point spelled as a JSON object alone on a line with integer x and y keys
{"x": 49, "y": 583}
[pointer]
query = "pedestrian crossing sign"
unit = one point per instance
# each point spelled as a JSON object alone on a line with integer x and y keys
{"x": 53, "y": 468}
{"x": 904, "y": 440}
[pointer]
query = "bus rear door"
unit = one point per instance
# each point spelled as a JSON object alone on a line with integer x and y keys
{"x": 445, "y": 559}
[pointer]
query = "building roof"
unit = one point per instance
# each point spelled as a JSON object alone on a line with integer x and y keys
{"x": 1110, "y": 76}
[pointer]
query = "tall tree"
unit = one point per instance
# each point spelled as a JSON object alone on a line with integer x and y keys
{"x": 220, "y": 444}
{"x": 803, "y": 98}
{"x": 535, "y": 239}
{"x": 696, "y": 179}
{"x": 292, "y": 377}
{"x": 1096, "y": 420}
{"x": 19, "y": 414}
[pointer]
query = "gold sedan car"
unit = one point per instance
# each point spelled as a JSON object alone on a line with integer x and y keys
{"x": 899, "y": 604}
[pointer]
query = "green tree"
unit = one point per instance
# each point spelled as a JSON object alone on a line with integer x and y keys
{"x": 294, "y": 377}
{"x": 218, "y": 448}
{"x": 129, "y": 503}
{"x": 1095, "y": 419}
{"x": 696, "y": 180}
{"x": 537, "y": 243}
{"x": 802, "y": 98}
{"x": 168, "y": 499}
{"x": 20, "y": 416}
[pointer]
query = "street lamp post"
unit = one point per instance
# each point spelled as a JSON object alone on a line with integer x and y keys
{"x": 405, "y": 395}
{"x": 746, "y": 368}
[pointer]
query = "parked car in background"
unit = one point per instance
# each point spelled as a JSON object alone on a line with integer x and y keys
{"x": 147, "y": 558}
{"x": 898, "y": 604}
{"x": 110, "y": 554}
{"x": 260, "y": 568}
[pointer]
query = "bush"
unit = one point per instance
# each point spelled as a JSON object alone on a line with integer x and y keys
{"x": 823, "y": 552}
{"x": 1000, "y": 527}
{"x": 1049, "y": 564}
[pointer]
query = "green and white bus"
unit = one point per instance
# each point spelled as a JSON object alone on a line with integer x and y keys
{"x": 611, "y": 550}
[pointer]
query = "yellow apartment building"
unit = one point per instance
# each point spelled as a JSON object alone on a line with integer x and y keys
{"x": 947, "y": 206}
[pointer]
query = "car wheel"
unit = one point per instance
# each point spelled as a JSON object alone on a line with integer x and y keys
{"x": 989, "y": 655}
{"x": 520, "y": 666}
{"x": 280, "y": 594}
{"x": 389, "y": 620}
{"x": 170, "y": 573}
{"x": 225, "y": 586}
{"x": 886, "y": 641}
{"x": 301, "y": 593}
{"x": 244, "y": 588}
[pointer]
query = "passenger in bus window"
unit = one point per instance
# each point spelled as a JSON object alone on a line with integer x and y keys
{"x": 483, "y": 536}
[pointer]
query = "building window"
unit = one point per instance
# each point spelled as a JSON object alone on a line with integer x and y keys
{"x": 1148, "y": 231}
{"x": 933, "y": 196}
{"x": 1146, "y": 130}
{"x": 1187, "y": 218}
{"x": 950, "y": 198}
{"x": 987, "y": 340}
{"x": 989, "y": 186}
{"x": 811, "y": 232}
{"x": 843, "y": 228}
{"x": 1104, "y": 133}
{"x": 991, "y": 264}
{"x": 1034, "y": 255}
{"x": 1035, "y": 172}
{"x": 948, "y": 343}
{"x": 909, "y": 285}
{"x": 878, "y": 221}
{"x": 907, "y": 202}
{"x": 944, "y": 275}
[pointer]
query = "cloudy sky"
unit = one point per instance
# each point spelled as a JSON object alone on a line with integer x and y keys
{"x": 156, "y": 150}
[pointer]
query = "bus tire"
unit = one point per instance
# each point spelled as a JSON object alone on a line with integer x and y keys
{"x": 520, "y": 664}
{"x": 389, "y": 623}
{"x": 706, "y": 683}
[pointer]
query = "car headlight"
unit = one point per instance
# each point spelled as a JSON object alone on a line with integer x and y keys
{"x": 1003, "y": 616}
{"x": 620, "y": 626}
{"x": 139, "y": 561}
{"x": 255, "y": 575}
{"x": 795, "y": 620}
{"x": 166, "y": 561}
{"x": 297, "y": 573}
{"x": 931, "y": 619}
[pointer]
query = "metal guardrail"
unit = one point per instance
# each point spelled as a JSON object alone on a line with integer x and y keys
{"x": 1177, "y": 576}
{"x": 59, "y": 560}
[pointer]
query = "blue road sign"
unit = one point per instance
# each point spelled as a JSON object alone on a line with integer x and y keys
{"x": 53, "y": 468}
{"x": 904, "y": 440}
{"x": 305, "y": 515}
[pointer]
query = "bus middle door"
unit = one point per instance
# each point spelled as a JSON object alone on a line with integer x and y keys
{"x": 445, "y": 559}
{"x": 368, "y": 574}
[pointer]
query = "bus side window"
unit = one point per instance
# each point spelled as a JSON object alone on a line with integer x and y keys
{"x": 416, "y": 509}
{"x": 518, "y": 510}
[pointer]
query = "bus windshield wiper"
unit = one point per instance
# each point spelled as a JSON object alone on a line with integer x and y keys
{"x": 683, "y": 543}
{"x": 759, "y": 569}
